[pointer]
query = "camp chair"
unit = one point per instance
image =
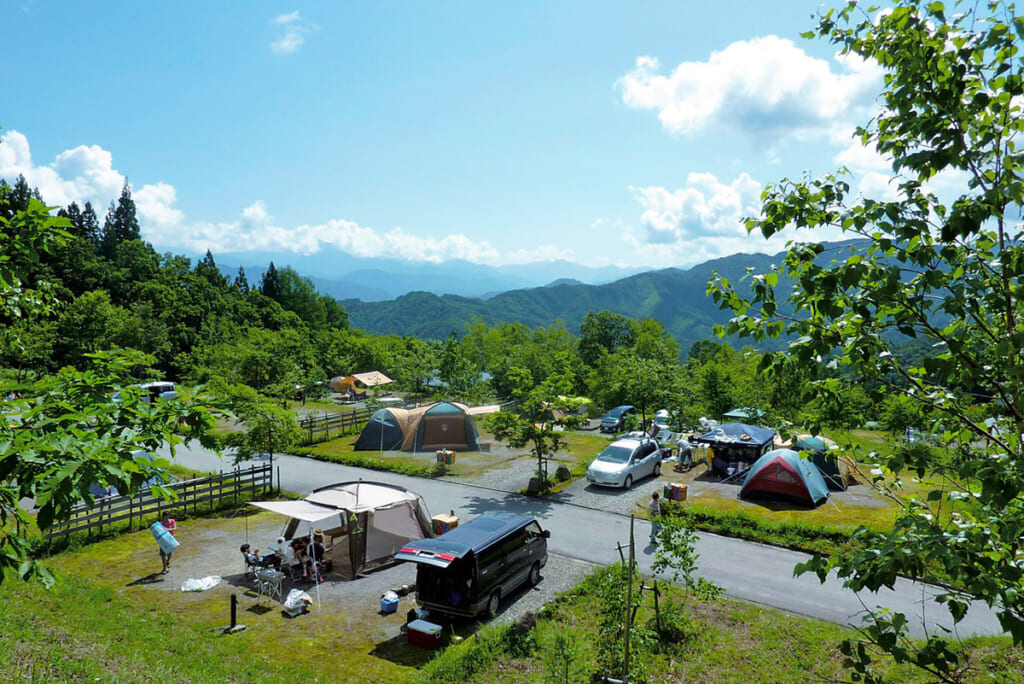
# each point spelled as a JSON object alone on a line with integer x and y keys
{"x": 251, "y": 568}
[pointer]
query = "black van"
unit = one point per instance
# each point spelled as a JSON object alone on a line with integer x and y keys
{"x": 468, "y": 570}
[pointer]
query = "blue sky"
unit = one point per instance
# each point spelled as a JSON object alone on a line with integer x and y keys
{"x": 603, "y": 133}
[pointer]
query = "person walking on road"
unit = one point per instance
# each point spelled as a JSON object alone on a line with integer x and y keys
{"x": 654, "y": 512}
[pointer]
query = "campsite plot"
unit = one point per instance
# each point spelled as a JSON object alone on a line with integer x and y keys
{"x": 113, "y": 616}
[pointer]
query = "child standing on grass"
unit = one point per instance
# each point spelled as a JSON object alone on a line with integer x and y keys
{"x": 170, "y": 525}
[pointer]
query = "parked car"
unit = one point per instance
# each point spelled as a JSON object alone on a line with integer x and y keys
{"x": 151, "y": 391}
{"x": 468, "y": 570}
{"x": 615, "y": 420}
{"x": 625, "y": 461}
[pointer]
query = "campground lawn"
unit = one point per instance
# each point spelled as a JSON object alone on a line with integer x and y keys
{"x": 109, "y": 618}
{"x": 582, "y": 449}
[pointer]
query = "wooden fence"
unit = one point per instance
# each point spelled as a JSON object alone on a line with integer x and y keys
{"x": 317, "y": 429}
{"x": 203, "y": 493}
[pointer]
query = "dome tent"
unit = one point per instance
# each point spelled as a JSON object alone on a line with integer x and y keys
{"x": 782, "y": 474}
{"x": 385, "y": 431}
{"x": 837, "y": 470}
{"x": 445, "y": 425}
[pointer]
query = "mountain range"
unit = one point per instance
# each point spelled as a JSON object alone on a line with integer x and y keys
{"x": 678, "y": 298}
{"x": 344, "y": 276}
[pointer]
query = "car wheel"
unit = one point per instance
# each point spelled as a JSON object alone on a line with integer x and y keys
{"x": 535, "y": 575}
{"x": 493, "y": 603}
{"x": 657, "y": 469}
{"x": 629, "y": 482}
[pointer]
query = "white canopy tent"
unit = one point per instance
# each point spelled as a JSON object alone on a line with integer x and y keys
{"x": 363, "y": 523}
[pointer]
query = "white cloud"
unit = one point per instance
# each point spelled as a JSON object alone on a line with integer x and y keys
{"x": 766, "y": 87}
{"x": 82, "y": 174}
{"x": 705, "y": 208}
{"x": 289, "y": 18}
{"x": 155, "y": 206}
{"x": 296, "y": 28}
{"x": 704, "y": 220}
{"x": 87, "y": 173}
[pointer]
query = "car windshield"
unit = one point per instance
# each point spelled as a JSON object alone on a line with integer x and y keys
{"x": 615, "y": 454}
{"x": 616, "y": 412}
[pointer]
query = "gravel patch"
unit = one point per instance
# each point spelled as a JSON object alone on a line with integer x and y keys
{"x": 210, "y": 547}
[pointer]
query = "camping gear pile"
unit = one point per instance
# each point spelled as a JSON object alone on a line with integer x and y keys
{"x": 733, "y": 446}
{"x": 297, "y": 602}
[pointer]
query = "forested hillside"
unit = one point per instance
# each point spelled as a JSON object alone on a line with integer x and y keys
{"x": 675, "y": 297}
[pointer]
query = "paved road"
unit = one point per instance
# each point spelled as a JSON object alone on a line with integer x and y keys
{"x": 746, "y": 570}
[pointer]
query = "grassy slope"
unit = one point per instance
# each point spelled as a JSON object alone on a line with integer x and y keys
{"x": 108, "y": 629}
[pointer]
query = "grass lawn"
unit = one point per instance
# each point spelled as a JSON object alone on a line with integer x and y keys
{"x": 106, "y": 620}
{"x": 582, "y": 448}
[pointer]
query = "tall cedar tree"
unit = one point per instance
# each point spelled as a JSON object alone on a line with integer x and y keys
{"x": 241, "y": 282}
{"x": 207, "y": 268}
{"x": 121, "y": 223}
{"x": 270, "y": 285}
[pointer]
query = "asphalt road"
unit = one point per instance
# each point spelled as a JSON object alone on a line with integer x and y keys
{"x": 745, "y": 570}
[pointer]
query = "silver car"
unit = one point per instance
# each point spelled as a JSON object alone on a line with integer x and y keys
{"x": 624, "y": 461}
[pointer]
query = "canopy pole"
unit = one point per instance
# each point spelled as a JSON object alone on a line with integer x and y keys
{"x": 316, "y": 570}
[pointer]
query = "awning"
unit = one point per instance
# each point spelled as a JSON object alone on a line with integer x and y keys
{"x": 359, "y": 496}
{"x": 302, "y": 510}
{"x": 372, "y": 378}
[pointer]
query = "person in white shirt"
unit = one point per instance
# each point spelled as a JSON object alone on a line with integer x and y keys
{"x": 655, "y": 515}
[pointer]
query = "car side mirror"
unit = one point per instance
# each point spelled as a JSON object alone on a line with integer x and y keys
{"x": 546, "y": 534}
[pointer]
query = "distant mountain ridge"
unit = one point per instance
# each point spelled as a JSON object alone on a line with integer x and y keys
{"x": 343, "y": 276}
{"x": 678, "y": 298}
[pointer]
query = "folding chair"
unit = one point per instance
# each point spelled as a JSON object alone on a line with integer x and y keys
{"x": 252, "y": 568}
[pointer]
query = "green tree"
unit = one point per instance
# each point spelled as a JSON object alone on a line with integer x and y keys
{"x": 241, "y": 282}
{"x": 943, "y": 270}
{"x": 455, "y": 368}
{"x": 207, "y": 268}
{"x": 121, "y": 223}
{"x": 604, "y": 332}
{"x": 532, "y": 422}
{"x": 269, "y": 428}
{"x": 270, "y": 283}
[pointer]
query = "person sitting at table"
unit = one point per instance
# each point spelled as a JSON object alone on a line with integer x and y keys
{"x": 253, "y": 557}
{"x": 316, "y": 553}
{"x": 302, "y": 558}
{"x": 291, "y": 556}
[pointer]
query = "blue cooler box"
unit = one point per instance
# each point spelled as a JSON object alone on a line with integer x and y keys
{"x": 388, "y": 605}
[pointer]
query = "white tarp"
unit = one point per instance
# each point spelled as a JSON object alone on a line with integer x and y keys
{"x": 300, "y": 510}
{"x": 360, "y": 496}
